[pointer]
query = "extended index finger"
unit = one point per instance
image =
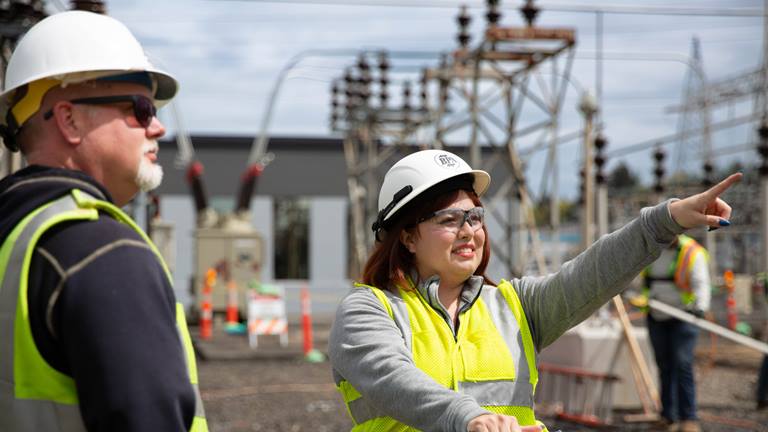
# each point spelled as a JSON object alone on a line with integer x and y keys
{"x": 717, "y": 190}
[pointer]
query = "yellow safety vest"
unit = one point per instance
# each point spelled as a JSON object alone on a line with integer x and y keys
{"x": 688, "y": 252}
{"x": 33, "y": 396}
{"x": 492, "y": 358}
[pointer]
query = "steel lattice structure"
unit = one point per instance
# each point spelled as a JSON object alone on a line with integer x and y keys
{"x": 506, "y": 89}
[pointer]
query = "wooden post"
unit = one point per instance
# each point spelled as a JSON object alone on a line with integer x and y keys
{"x": 646, "y": 388}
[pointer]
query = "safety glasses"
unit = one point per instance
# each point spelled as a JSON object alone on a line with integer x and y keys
{"x": 143, "y": 108}
{"x": 452, "y": 219}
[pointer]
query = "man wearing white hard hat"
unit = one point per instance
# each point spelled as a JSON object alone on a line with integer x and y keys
{"x": 91, "y": 335}
{"x": 428, "y": 342}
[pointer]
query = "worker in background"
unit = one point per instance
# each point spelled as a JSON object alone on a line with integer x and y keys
{"x": 679, "y": 278}
{"x": 762, "y": 380}
{"x": 429, "y": 342}
{"x": 91, "y": 335}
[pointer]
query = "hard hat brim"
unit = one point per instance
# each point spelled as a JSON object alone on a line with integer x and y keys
{"x": 480, "y": 185}
{"x": 167, "y": 86}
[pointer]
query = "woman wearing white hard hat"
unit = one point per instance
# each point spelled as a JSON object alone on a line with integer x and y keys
{"x": 428, "y": 342}
{"x": 91, "y": 335}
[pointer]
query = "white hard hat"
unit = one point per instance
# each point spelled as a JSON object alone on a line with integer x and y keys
{"x": 77, "y": 46}
{"x": 418, "y": 172}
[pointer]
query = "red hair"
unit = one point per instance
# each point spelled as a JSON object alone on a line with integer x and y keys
{"x": 391, "y": 262}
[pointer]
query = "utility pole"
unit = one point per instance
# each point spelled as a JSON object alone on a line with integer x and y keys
{"x": 763, "y": 148}
{"x": 588, "y": 107}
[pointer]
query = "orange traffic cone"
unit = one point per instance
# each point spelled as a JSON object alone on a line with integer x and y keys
{"x": 232, "y": 310}
{"x": 206, "y": 308}
{"x": 310, "y": 354}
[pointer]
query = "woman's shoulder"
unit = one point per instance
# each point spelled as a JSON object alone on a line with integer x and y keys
{"x": 502, "y": 284}
{"x": 361, "y": 295}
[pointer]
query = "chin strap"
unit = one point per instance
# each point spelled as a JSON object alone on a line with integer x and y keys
{"x": 396, "y": 198}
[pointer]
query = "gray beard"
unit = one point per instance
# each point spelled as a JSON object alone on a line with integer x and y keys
{"x": 149, "y": 176}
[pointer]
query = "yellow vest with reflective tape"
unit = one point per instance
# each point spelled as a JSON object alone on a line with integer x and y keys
{"x": 687, "y": 253}
{"x": 492, "y": 357}
{"x": 33, "y": 396}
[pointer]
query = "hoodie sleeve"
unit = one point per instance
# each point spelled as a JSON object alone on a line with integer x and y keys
{"x": 559, "y": 301}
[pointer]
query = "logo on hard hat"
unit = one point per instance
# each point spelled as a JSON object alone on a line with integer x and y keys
{"x": 445, "y": 160}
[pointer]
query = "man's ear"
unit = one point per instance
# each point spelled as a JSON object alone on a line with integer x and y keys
{"x": 408, "y": 239}
{"x": 69, "y": 123}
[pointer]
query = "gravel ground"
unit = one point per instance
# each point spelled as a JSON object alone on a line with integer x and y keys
{"x": 266, "y": 394}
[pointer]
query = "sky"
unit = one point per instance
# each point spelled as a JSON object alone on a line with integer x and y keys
{"x": 228, "y": 55}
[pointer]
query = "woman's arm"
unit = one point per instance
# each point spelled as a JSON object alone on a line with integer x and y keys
{"x": 557, "y": 302}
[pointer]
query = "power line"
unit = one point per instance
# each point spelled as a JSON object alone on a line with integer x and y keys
{"x": 558, "y": 7}
{"x": 645, "y": 145}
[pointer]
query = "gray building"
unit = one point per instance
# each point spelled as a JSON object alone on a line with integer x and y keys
{"x": 300, "y": 206}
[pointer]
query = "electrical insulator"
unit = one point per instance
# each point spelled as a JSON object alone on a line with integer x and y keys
{"x": 600, "y": 143}
{"x": 362, "y": 63}
{"x": 658, "y": 155}
{"x": 423, "y": 96}
{"x": 443, "y": 94}
{"x": 762, "y": 148}
{"x": 334, "y": 95}
{"x": 529, "y": 12}
{"x": 383, "y": 79}
{"x": 708, "y": 168}
{"x": 334, "y": 120}
{"x": 364, "y": 81}
{"x": 348, "y": 84}
{"x": 351, "y": 92}
{"x": 493, "y": 15}
{"x": 407, "y": 103}
{"x": 334, "y": 104}
{"x": 463, "y": 19}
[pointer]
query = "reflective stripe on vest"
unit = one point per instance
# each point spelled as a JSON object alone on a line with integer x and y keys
{"x": 689, "y": 251}
{"x": 491, "y": 359}
{"x": 33, "y": 395}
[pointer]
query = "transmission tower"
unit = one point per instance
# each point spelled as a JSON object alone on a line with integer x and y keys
{"x": 504, "y": 90}
{"x": 694, "y": 121}
{"x": 376, "y": 130}
{"x": 489, "y": 96}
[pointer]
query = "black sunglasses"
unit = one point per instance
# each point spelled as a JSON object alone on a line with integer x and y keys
{"x": 143, "y": 108}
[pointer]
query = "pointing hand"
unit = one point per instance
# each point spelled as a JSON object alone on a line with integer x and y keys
{"x": 706, "y": 208}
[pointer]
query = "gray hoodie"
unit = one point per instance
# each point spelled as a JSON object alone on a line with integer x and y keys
{"x": 367, "y": 349}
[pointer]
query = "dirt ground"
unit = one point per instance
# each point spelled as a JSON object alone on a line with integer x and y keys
{"x": 276, "y": 390}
